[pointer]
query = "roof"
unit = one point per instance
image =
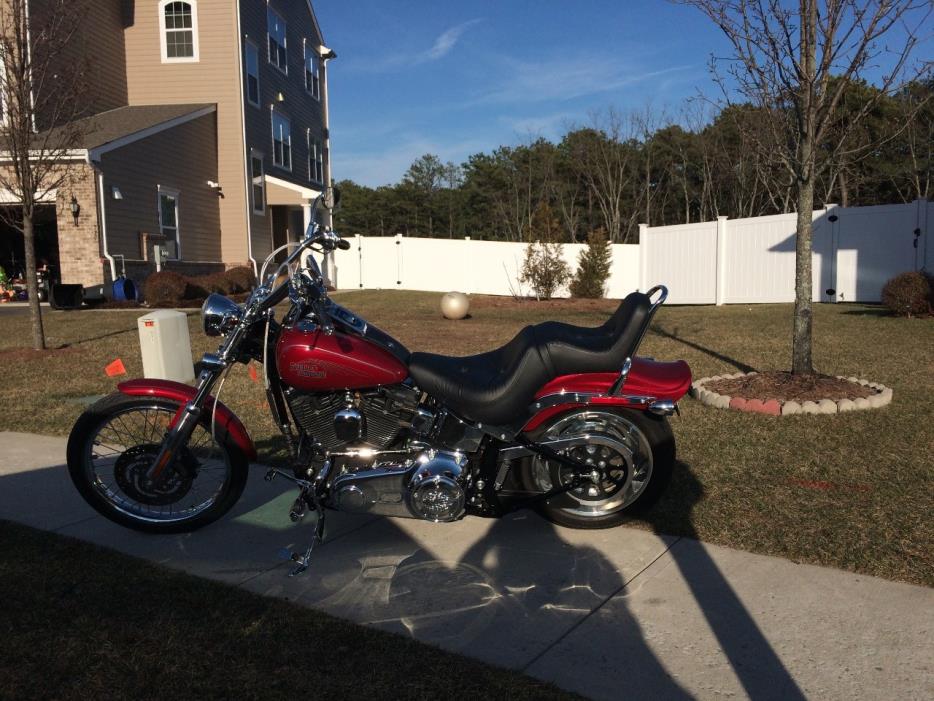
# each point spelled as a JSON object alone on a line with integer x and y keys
{"x": 112, "y": 128}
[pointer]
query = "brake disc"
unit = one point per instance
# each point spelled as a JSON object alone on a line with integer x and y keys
{"x": 131, "y": 474}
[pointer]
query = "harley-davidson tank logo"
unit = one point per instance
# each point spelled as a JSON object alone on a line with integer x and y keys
{"x": 306, "y": 369}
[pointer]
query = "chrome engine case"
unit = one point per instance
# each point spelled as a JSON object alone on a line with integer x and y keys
{"x": 429, "y": 487}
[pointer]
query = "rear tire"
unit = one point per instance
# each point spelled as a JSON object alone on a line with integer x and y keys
{"x": 648, "y": 453}
{"x": 139, "y": 423}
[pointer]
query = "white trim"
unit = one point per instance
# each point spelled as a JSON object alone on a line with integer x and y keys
{"x": 314, "y": 19}
{"x": 257, "y": 154}
{"x": 170, "y": 192}
{"x": 193, "y": 4}
{"x": 246, "y": 65}
{"x": 273, "y": 113}
{"x": 7, "y": 197}
{"x": 102, "y": 220}
{"x": 95, "y": 153}
{"x": 78, "y": 154}
{"x": 306, "y": 193}
{"x": 285, "y": 39}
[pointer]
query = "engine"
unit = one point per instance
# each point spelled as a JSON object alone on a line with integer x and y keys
{"x": 375, "y": 469}
{"x": 337, "y": 420}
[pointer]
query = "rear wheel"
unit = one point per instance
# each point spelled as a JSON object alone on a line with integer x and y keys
{"x": 632, "y": 455}
{"x": 113, "y": 446}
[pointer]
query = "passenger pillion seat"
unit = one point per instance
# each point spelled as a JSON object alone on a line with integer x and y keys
{"x": 498, "y": 386}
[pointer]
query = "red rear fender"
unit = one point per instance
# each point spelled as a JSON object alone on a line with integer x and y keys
{"x": 178, "y": 392}
{"x": 647, "y": 378}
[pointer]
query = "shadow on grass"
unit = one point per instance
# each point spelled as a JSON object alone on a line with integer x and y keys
{"x": 658, "y": 330}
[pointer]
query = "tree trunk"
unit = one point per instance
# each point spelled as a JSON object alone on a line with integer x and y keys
{"x": 32, "y": 283}
{"x": 801, "y": 363}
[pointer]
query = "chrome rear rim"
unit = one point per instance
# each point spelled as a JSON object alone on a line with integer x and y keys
{"x": 626, "y": 464}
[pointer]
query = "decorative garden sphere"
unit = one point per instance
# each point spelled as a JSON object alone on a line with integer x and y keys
{"x": 455, "y": 305}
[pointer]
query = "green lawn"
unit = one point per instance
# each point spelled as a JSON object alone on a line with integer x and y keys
{"x": 852, "y": 491}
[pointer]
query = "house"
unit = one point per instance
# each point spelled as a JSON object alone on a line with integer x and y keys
{"x": 207, "y": 137}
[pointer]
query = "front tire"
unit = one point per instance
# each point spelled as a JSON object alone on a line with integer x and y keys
{"x": 637, "y": 455}
{"x": 114, "y": 442}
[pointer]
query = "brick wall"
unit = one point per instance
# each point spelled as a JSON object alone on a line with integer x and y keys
{"x": 79, "y": 247}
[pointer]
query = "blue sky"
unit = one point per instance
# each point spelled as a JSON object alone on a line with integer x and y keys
{"x": 415, "y": 77}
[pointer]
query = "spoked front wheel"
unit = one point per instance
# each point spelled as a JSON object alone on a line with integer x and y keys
{"x": 631, "y": 454}
{"x": 111, "y": 451}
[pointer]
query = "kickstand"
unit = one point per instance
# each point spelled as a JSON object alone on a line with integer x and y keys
{"x": 304, "y": 560}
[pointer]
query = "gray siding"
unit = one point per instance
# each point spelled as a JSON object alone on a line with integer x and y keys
{"x": 183, "y": 158}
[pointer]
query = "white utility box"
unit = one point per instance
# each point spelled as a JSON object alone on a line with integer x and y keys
{"x": 166, "y": 346}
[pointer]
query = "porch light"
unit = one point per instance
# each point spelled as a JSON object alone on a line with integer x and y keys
{"x": 75, "y": 209}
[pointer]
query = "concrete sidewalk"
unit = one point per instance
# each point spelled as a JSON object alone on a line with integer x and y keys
{"x": 610, "y": 614}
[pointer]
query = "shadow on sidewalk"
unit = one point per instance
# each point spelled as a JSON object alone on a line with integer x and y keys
{"x": 512, "y": 592}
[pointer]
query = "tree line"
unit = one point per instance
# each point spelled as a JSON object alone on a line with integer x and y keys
{"x": 623, "y": 169}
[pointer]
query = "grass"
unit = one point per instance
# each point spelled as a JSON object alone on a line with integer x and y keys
{"x": 125, "y": 629}
{"x": 852, "y": 491}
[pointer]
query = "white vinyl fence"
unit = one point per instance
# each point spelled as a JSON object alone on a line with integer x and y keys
{"x": 728, "y": 261}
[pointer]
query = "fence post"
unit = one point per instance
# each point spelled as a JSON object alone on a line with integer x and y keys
{"x": 721, "y": 260}
{"x": 643, "y": 258}
{"x": 833, "y": 245}
{"x": 359, "y": 261}
{"x": 399, "y": 261}
{"x": 922, "y": 234}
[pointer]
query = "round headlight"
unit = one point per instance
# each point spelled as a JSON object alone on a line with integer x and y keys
{"x": 219, "y": 315}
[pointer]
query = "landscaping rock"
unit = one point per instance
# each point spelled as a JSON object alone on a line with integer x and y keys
{"x": 864, "y": 383}
{"x": 738, "y": 403}
{"x": 722, "y": 402}
{"x": 845, "y": 405}
{"x": 770, "y": 407}
{"x": 810, "y": 408}
{"x": 827, "y": 406}
{"x": 789, "y": 408}
{"x": 853, "y": 379}
{"x": 862, "y": 403}
{"x": 879, "y": 400}
{"x": 887, "y": 392}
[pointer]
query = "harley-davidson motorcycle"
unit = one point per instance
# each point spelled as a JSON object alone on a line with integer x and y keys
{"x": 565, "y": 419}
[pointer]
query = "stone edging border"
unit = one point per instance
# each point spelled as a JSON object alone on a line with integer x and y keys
{"x": 774, "y": 407}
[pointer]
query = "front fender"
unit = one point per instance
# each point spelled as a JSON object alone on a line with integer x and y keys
{"x": 176, "y": 391}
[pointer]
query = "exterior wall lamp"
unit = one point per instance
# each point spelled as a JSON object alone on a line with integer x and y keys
{"x": 75, "y": 209}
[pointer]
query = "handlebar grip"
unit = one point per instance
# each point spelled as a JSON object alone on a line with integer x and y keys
{"x": 343, "y": 245}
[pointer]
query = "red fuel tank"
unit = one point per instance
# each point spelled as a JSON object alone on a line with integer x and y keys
{"x": 313, "y": 361}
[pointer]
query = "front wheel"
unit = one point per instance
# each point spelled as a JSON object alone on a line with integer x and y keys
{"x": 113, "y": 446}
{"x": 633, "y": 451}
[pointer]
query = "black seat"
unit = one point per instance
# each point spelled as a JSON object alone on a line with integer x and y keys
{"x": 498, "y": 386}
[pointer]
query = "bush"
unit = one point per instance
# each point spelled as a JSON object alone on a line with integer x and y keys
{"x": 206, "y": 284}
{"x": 593, "y": 267}
{"x": 544, "y": 267}
{"x": 241, "y": 279}
{"x": 909, "y": 294}
{"x": 165, "y": 287}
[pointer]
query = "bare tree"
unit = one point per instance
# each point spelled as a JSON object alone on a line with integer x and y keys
{"x": 795, "y": 64}
{"x": 41, "y": 101}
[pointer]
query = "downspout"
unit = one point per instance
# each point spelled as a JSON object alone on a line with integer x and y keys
{"x": 102, "y": 215}
{"x": 326, "y": 123}
{"x": 246, "y": 159}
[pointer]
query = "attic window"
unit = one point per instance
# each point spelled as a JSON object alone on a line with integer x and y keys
{"x": 179, "y": 31}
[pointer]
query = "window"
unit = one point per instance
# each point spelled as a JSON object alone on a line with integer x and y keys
{"x": 178, "y": 22}
{"x": 258, "y": 182}
{"x": 276, "y": 30}
{"x": 281, "y": 141}
{"x": 315, "y": 160}
{"x": 168, "y": 219}
{"x": 312, "y": 68}
{"x": 252, "y": 73}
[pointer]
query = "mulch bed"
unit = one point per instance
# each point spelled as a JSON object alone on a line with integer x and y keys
{"x": 784, "y": 386}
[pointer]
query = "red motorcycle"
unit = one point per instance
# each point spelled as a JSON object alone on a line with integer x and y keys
{"x": 563, "y": 418}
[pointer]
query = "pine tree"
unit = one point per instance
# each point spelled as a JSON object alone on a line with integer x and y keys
{"x": 593, "y": 267}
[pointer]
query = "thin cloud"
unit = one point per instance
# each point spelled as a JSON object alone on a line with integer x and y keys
{"x": 446, "y": 41}
{"x": 442, "y": 46}
{"x": 563, "y": 79}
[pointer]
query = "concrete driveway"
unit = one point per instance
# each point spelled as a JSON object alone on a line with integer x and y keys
{"x": 611, "y": 614}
